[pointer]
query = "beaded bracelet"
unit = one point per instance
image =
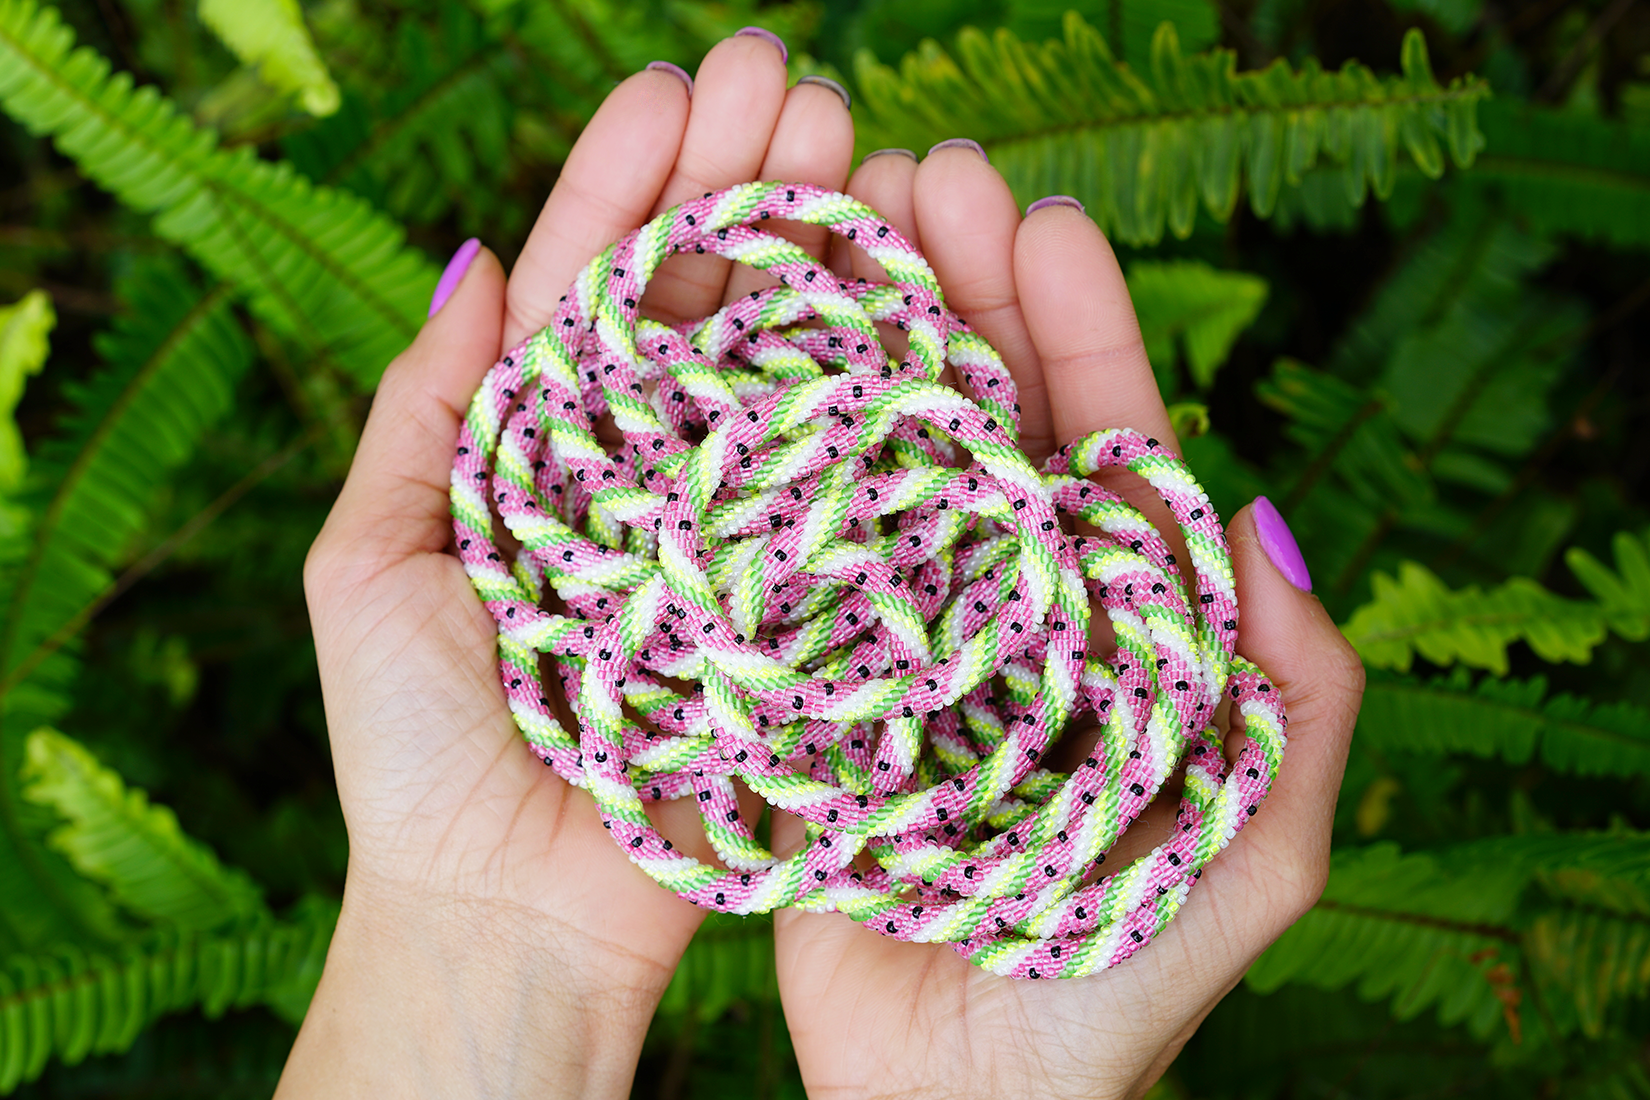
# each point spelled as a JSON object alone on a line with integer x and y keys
{"x": 830, "y": 577}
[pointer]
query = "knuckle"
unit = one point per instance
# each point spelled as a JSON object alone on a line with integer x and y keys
{"x": 1334, "y": 690}
{"x": 1345, "y": 669}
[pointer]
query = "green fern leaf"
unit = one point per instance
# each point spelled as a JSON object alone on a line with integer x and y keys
{"x": 1596, "y": 958}
{"x": 1443, "y": 381}
{"x": 1418, "y": 614}
{"x": 1568, "y": 172}
{"x": 441, "y": 132}
{"x": 1143, "y": 146}
{"x": 173, "y": 361}
{"x": 320, "y": 267}
{"x": 1345, "y": 430}
{"x": 113, "y": 836}
{"x": 70, "y": 1003}
{"x": 1467, "y": 261}
{"x": 1449, "y": 929}
{"x": 1509, "y": 719}
{"x": 1477, "y": 382}
{"x": 1409, "y": 928}
{"x": 270, "y": 36}
{"x": 1188, "y": 301}
{"x": 1624, "y": 595}
{"x": 25, "y": 328}
{"x": 730, "y": 959}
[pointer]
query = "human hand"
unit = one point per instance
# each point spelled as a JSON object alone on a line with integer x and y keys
{"x": 493, "y": 939}
{"x": 873, "y": 1016}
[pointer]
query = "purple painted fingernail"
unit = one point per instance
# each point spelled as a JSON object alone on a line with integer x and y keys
{"x": 1055, "y": 200}
{"x": 961, "y": 143}
{"x": 827, "y": 82}
{"x": 886, "y": 152}
{"x": 673, "y": 70}
{"x": 768, "y": 36}
{"x": 1280, "y": 546}
{"x": 456, "y": 267}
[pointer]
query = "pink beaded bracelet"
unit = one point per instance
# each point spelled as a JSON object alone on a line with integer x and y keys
{"x": 824, "y": 574}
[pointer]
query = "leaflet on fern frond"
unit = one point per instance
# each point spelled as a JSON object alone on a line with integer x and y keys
{"x": 1145, "y": 147}
{"x": 318, "y": 265}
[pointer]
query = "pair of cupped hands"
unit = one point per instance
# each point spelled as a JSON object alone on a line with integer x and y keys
{"x": 494, "y": 941}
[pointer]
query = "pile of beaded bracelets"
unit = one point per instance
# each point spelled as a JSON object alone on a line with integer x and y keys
{"x": 828, "y": 576}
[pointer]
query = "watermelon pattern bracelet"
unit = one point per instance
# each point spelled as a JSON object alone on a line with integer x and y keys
{"x": 757, "y": 550}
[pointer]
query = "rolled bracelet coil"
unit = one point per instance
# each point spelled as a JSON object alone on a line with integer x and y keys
{"x": 828, "y": 576}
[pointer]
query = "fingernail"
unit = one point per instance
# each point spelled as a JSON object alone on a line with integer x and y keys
{"x": 1280, "y": 546}
{"x": 827, "y": 82}
{"x": 961, "y": 143}
{"x": 885, "y": 152}
{"x": 1054, "y": 200}
{"x": 456, "y": 267}
{"x": 673, "y": 70}
{"x": 766, "y": 35}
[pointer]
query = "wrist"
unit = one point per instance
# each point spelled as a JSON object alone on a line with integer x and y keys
{"x": 455, "y": 996}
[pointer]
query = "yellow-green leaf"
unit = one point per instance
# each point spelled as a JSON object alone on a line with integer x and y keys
{"x": 1188, "y": 302}
{"x": 113, "y": 836}
{"x": 1419, "y": 614}
{"x": 270, "y": 36}
{"x": 25, "y": 328}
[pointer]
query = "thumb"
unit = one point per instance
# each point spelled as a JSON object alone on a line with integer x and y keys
{"x": 395, "y": 501}
{"x": 1285, "y": 630}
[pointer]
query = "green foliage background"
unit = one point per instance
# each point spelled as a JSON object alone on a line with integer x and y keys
{"x": 1390, "y": 261}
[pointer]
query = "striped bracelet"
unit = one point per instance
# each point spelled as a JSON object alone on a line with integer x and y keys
{"x": 821, "y": 572}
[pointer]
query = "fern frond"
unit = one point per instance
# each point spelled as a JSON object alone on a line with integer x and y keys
{"x": 270, "y": 36}
{"x": 441, "y": 131}
{"x": 1456, "y": 353}
{"x": 1443, "y": 381}
{"x": 25, "y": 331}
{"x": 1510, "y": 719}
{"x": 1189, "y": 303}
{"x": 1406, "y": 927}
{"x": 1346, "y": 430}
{"x": 113, "y": 836}
{"x": 319, "y": 266}
{"x": 173, "y": 362}
{"x": 1476, "y": 383}
{"x": 1418, "y": 614}
{"x": 70, "y": 1003}
{"x": 1621, "y": 856}
{"x": 1452, "y": 928}
{"x": 729, "y": 959}
{"x": 1466, "y": 261}
{"x": 1596, "y": 958}
{"x": 1568, "y": 172}
{"x": 1142, "y": 146}
{"x": 1623, "y": 594}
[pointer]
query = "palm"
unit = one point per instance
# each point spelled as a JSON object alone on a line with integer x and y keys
{"x": 414, "y": 666}
{"x": 441, "y": 798}
{"x": 871, "y": 1016}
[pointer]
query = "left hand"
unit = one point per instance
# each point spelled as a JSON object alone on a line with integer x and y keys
{"x": 875, "y": 1017}
{"x": 493, "y": 939}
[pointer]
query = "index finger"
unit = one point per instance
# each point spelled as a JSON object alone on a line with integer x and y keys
{"x": 608, "y": 187}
